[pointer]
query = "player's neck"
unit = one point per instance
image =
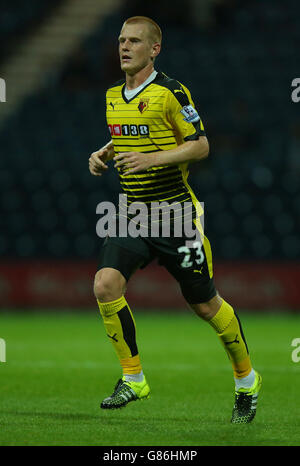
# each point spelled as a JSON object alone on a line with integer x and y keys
{"x": 133, "y": 81}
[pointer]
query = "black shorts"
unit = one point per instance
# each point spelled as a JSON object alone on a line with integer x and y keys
{"x": 190, "y": 266}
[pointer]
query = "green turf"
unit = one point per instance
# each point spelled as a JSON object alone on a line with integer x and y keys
{"x": 60, "y": 366}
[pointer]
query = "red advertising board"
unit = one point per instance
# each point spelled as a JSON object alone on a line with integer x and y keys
{"x": 53, "y": 284}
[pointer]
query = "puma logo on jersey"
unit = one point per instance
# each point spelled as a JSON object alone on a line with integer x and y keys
{"x": 178, "y": 90}
{"x": 113, "y": 105}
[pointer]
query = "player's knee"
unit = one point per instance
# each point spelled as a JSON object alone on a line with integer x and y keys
{"x": 209, "y": 308}
{"x": 108, "y": 285}
{"x": 204, "y": 310}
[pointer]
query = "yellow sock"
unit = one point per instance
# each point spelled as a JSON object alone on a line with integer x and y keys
{"x": 120, "y": 328}
{"x": 229, "y": 330}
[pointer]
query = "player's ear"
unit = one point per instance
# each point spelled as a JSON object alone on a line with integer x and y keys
{"x": 155, "y": 50}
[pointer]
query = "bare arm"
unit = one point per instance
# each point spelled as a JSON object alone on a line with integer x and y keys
{"x": 98, "y": 159}
{"x": 189, "y": 151}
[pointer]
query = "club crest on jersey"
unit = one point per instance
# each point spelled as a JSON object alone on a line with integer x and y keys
{"x": 143, "y": 105}
{"x": 190, "y": 114}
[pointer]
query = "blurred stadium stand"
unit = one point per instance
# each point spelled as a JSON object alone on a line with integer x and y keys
{"x": 18, "y": 19}
{"x": 239, "y": 65}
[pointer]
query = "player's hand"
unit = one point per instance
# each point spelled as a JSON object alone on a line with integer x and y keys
{"x": 96, "y": 162}
{"x": 133, "y": 162}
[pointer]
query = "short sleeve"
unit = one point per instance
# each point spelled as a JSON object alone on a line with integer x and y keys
{"x": 182, "y": 113}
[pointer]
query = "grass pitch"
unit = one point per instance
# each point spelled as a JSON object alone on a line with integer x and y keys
{"x": 60, "y": 366}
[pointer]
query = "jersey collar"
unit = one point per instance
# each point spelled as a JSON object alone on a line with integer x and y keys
{"x": 158, "y": 76}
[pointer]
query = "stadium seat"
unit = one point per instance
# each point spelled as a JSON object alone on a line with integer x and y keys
{"x": 239, "y": 85}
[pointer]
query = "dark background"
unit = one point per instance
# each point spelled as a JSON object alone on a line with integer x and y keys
{"x": 238, "y": 58}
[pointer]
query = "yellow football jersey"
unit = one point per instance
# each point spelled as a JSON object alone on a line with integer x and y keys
{"x": 160, "y": 117}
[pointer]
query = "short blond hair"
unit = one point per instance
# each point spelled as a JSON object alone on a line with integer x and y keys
{"x": 155, "y": 33}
